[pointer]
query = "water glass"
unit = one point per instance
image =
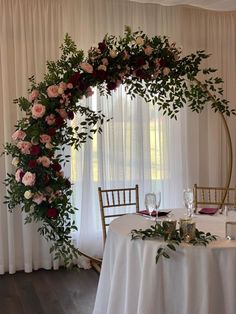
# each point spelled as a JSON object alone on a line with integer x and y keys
{"x": 150, "y": 202}
{"x": 188, "y": 201}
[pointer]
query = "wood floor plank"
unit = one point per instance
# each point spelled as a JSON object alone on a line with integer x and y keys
{"x": 48, "y": 298}
{"x": 25, "y": 290}
{"x": 48, "y": 292}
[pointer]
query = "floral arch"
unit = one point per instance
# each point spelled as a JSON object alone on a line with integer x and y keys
{"x": 149, "y": 67}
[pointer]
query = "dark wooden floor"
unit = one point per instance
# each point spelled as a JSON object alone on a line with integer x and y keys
{"x": 48, "y": 292}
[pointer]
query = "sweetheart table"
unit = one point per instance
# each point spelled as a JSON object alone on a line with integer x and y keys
{"x": 195, "y": 280}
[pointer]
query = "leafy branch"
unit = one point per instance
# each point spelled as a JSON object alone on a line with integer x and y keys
{"x": 173, "y": 237}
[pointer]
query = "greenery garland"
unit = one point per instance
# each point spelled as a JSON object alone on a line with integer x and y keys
{"x": 149, "y": 67}
{"x": 173, "y": 237}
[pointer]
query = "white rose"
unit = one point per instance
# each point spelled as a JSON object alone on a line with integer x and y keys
{"x": 15, "y": 161}
{"x": 28, "y": 194}
{"x": 139, "y": 41}
{"x": 113, "y": 53}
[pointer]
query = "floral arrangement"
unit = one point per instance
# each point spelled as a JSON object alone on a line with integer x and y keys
{"x": 149, "y": 67}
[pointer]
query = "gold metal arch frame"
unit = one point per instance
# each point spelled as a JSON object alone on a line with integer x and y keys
{"x": 228, "y": 142}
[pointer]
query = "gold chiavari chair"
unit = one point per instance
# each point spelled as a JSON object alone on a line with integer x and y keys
{"x": 120, "y": 200}
{"x": 214, "y": 196}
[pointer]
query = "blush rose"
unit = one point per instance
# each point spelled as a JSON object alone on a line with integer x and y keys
{"x": 18, "y": 135}
{"x": 38, "y": 111}
{"x": 29, "y": 178}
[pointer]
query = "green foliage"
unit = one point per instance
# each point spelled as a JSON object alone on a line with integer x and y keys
{"x": 173, "y": 238}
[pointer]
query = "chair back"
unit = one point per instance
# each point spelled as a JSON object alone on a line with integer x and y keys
{"x": 121, "y": 200}
{"x": 216, "y": 196}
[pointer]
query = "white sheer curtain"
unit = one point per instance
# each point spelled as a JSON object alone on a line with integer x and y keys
{"x": 183, "y": 152}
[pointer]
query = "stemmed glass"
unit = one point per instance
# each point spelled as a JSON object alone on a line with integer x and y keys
{"x": 158, "y": 202}
{"x": 150, "y": 202}
{"x": 188, "y": 201}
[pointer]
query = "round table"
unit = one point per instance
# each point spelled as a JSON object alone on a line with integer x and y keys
{"x": 195, "y": 280}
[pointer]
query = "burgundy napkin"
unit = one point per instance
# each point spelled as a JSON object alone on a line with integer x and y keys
{"x": 208, "y": 211}
{"x": 153, "y": 214}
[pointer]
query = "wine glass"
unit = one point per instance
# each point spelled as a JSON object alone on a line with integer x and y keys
{"x": 158, "y": 202}
{"x": 188, "y": 201}
{"x": 150, "y": 202}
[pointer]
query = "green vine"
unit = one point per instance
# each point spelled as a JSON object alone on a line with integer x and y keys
{"x": 173, "y": 237}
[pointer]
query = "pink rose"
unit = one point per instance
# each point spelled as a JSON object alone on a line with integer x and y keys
{"x": 24, "y": 147}
{"x": 148, "y": 50}
{"x": 86, "y": 67}
{"x": 62, "y": 113}
{"x": 44, "y": 138}
{"x": 18, "y": 135}
{"x": 18, "y": 175}
{"x": 29, "y": 179}
{"x": 50, "y": 119}
{"x": 70, "y": 85}
{"x": 52, "y": 91}
{"x": 38, "y": 111}
{"x": 89, "y": 92}
{"x": 34, "y": 95}
{"x": 63, "y": 85}
{"x": 39, "y": 198}
{"x": 105, "y": 61}
{"x": 45, "y": 161}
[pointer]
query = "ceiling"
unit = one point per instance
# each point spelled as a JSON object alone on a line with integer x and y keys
{"x": 217, "y": 5}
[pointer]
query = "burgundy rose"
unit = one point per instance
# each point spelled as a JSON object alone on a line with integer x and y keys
{"x": 67, "y": 183}
{"x": 82, "y": 86}
{"x": 162, "y": 63}
{"x": 56, "y": 167}
{"x": 102, "y": 46}
{"x": 70, "y": 115}
{"x": 74, "y": 79}
{"x": 140, "y": 61}
{"x": 32, "y": 163}
{"x": 100, "y": 75}
{"x": 52, "y": 213}
{"x": 111, "y": 85}
{"x": 35, "y": 150}
{"x": 59, "y": 121}
{"x": 51, "y": 131}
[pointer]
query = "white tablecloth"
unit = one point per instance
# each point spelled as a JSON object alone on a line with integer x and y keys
{"x": 195, "y": 280}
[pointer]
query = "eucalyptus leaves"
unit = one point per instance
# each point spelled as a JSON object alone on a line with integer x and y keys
{"x": 173, "y": 237}
{"x": 149, "y": 67}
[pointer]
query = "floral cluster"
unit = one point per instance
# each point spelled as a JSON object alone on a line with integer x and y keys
{"x": 149, "y": 67}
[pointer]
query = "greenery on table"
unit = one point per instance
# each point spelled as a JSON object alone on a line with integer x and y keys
{"x": 149, "y": 67}
{"x": 172, "y": 238}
